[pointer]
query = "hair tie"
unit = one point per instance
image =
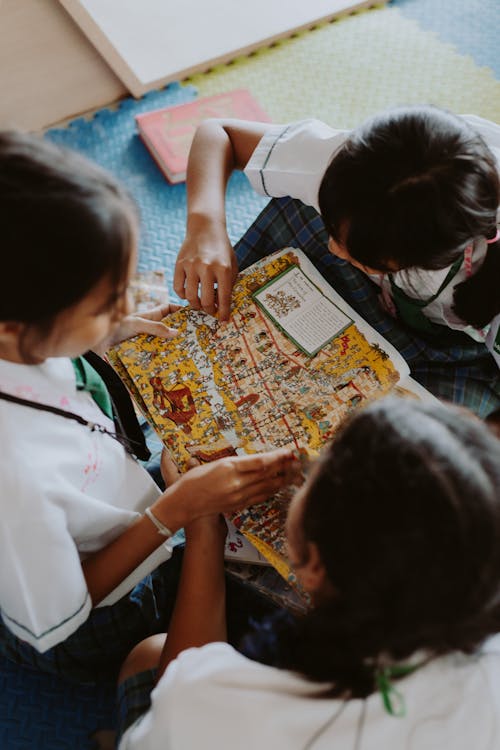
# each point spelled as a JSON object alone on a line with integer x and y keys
{"x": 494, "y": 239}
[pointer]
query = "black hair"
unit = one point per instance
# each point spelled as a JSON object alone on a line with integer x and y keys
{"x": 404, "y": 507}
{"x": 65, "y": 223}
{"x": 414, "y": 186}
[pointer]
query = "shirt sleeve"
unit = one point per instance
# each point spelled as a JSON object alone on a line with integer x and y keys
{"x": 290, "y": 160}
{"x": 42, "y": 587}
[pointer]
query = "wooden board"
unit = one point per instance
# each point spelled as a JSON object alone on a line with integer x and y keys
{"x": 149, "y": 43}
{"x": 49, "y": 71}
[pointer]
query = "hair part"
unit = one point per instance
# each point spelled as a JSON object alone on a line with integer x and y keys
{"x": 65, "y": 224}
{"x": 410, "y": 539}
{"x": 413, "y": 187}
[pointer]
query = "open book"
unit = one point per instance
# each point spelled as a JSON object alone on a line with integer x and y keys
{"x": 291, "y": 363}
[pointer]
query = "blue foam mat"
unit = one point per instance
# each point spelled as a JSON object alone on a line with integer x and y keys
{"x": 110, "y": 138}
{"x": 472, "y": 26}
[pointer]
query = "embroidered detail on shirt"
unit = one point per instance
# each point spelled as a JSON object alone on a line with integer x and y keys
{"x": 468, "y": 260}
{"x": 261, "y": 171}
{"x": 54, "y": 627}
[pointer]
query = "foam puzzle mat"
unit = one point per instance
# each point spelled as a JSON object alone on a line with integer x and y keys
{"x": 412, "y": 51}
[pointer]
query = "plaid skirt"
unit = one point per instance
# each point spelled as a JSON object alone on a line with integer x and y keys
{"x": 97, "y": 649}
{"x": 133, "y": 700}
{"x": 455, "y": 368}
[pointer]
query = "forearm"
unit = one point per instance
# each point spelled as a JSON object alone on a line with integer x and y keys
{"x": 106, "y": 569}
{"x": 210, "y": 164}
{"x": 200, "y": 609}
{"x": 218, "y": 148}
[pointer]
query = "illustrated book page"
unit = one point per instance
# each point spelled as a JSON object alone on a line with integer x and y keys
{"x": 291, "y": 363}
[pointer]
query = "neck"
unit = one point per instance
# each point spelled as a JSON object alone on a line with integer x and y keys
{"x": 10, "y": 352}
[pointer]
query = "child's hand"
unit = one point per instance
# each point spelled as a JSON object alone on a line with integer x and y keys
{"x": 206, "y": 268}
{"x": 149, "y": 322}
{"x": 230, "y": 484}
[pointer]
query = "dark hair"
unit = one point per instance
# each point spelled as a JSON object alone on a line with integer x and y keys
{"x": 64, "y": 224}
{"x": 404, "y": 507}
{"x": 415, "y": 186}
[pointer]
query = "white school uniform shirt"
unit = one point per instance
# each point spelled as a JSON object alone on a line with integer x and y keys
{"x": 65, "y": 492}
{"x": 290, "y": 160}
{"x": 214, "y": 697}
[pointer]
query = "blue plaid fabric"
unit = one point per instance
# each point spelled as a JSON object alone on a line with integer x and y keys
{"x": 455, "y": 368}
{"x": 96, "y": 650}
{"x": 133, "y": 700}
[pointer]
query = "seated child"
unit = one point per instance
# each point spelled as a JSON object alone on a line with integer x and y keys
{"x": 396, "y": 537}
{"x": 407, "y": 230}
{"x": 82, "y": 523}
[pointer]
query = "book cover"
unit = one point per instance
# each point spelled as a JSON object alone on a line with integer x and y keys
{"x": 168, "y": 132}
{"x": 293, "y": 360}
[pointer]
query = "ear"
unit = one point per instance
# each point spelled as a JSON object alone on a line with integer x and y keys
{"x": 10, "y": 333}
{"x": 313, "y": 573}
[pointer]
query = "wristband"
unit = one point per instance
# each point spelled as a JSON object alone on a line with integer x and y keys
{"x": 161, "y": 528}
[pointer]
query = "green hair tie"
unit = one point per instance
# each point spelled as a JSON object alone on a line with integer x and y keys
{"x": 392, "y": 698}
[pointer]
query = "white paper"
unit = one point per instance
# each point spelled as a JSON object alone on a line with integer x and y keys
{"x": 304, "y": 313}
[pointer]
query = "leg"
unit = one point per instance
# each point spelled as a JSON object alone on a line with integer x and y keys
{"x": 144, "y": 656}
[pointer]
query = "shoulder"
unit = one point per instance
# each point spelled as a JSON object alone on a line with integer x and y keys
{"x": 220, "y": 687}
{"x": 290, "y": 160}
{"x": 303, "y": 139}
{"x": 216, "y": 673}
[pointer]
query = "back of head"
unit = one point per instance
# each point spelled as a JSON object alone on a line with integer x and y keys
{"x": 64, "y": 224}
{"x": 411, "y": 186}
{"x": 404, "y": 508}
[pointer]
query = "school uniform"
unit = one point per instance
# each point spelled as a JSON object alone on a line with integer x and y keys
{"x": 66, "y": 492}
{"x": 215, "y": 697}
{"x": 412, "y": 308}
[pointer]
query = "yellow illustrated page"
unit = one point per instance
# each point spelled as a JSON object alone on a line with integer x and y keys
{"x": 244, "y": 387}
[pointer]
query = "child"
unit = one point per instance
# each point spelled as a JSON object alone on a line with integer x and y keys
{"x": 396, "y": 536}
{"x": 409, "y": 212}
{"x": 82, "y": 523}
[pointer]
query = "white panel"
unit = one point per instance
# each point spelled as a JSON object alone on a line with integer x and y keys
{"x": 151, "y": 42}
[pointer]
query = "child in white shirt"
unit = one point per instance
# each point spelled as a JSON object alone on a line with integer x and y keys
{"x": 410, "y": 198}
{"x": 84, "y": 569}
{"x": 396, "y": 537}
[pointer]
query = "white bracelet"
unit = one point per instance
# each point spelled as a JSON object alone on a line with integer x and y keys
{"x": 162, "y": 529}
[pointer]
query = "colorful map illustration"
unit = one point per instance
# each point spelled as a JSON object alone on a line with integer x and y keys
{"x": 245, "y": 386}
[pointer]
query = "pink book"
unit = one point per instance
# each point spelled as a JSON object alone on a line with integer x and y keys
{"x": 168, "y": 132}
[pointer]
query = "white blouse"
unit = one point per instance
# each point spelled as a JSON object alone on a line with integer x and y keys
{"x": 65, "y": 492}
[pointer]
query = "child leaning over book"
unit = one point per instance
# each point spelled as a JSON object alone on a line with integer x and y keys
{"x": 79, "y": 514}
{"x": 396, "y": 536}
{"x": 406, "y": 231}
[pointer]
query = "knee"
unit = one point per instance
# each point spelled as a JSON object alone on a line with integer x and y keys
{"x": 146, "y": 655}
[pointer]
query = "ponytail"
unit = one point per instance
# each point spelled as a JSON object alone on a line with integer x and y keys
{"x": 477, "y": 300}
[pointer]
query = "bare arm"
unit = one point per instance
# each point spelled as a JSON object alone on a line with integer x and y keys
{"x": 199, "y": 615}
{"x": 206, "y": 259}
{"x": 222, "y": 486}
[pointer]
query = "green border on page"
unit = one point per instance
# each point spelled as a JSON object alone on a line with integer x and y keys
{"x": 281, "y": 328}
